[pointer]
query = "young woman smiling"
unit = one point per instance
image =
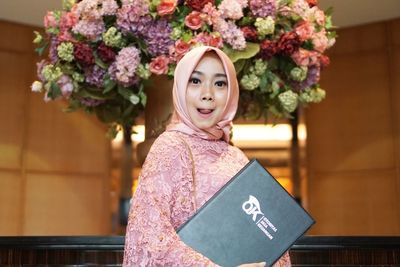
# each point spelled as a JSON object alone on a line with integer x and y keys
{"x": 187, "y": 164}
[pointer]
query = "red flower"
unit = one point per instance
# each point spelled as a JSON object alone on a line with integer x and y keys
{"x": 325, "y": 61}
{"x": 288, "y": 43}
{"x": 83, "y": 54}
{"x": 312, "y": 3}
{"x": 250, "y": 33}
{"x": 105, "y": 53}
{"x": 268, "y": 49}
{"x": 198, "y": 4}
{"x": 193, "y": 20}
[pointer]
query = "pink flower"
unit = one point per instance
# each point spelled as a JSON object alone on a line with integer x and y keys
{"x": 181, "y": 47}
{"x": 319, "y": 16}
{"x": 303, "y": 57}
{"x": 49, "y": 20}
{"x": 159, "y": 65}
{"x": 109, "y": 7}
{"x": 65, "y": 36}
{"x": 166, "y": 7}
{"x": 231, "y": 9}
{"x": 194, "y": 20}
{"x": 68, "y": 20}
{"x": 211, "y": 14}
{"x": 304, "y": 30}
{"x": 320, "y": 41}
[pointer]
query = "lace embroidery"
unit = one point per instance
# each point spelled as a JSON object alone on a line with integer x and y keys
{"x": 165, "y": 198}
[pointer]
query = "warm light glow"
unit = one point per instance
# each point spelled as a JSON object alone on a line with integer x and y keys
{"x": 244, "y": 135}
{"x": 260, "y": 135}
{"x": 136, "y": 137}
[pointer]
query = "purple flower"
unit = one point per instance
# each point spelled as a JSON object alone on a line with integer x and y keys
{"x": 263, "y": 8}
{"x": 130, "y": 14}
{"x": 66, "y": 86}
{"x": 158, "y": 37}
{"x": 89, "y": 102}
{"x": 95, "y": 75}
{"x": 53, "y": 54}
{"x": 125, "y": 65}
{"x": 40, "y": 65}
{"x": 313, "y": 75}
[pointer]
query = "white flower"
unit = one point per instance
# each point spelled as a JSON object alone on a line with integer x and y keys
{"x": 37, "y": 87}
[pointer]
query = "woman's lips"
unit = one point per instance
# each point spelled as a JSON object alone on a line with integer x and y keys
{"x": 205, "y": 113}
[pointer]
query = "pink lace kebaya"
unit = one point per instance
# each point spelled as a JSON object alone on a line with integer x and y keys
{"x": 185, "y": 167}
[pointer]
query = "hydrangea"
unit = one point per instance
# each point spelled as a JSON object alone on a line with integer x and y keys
{"x": 51, "y": 73}
{"x": 312, "y": 95}
{"x": 250, "y": 81}
{"x": 66, "y": 51}
{"x": 113, "y": 38}
{"x": 265, "y": 26}
{"x": 288, "y": 100}
{"x": 260, "y": 66}
{"x": 124, "y": 67}
{"x": 298, "y": 73}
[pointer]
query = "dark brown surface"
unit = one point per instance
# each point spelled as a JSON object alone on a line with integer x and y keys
{"x": 108, "y": 251}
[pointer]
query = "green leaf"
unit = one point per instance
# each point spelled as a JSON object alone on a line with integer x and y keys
{"x": 128, "y": 95}
{"x": 263, "y": 83}
{"x": 239, "y": 65}
{"x": 100, "y": 63}
{"x": 73, "y": 106}
{"x": 108, "y": 114}
{"x": 108, "y": 84}
{"x": 250, "y": 51}
{"x": 94, "y": 94}
{"x": 54, "y": 91}
{"x": 40, "y": 50}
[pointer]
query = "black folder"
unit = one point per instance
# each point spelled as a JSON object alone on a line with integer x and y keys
{"x": 251, "y": 219}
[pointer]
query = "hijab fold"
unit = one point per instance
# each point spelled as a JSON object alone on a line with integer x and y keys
{"x": 181, "y": 120}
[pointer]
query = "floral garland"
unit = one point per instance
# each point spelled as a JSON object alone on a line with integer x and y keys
{"x": 101, "y": 53}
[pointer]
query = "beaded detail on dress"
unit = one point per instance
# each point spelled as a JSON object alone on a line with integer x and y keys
{"x": 168, "y": 195}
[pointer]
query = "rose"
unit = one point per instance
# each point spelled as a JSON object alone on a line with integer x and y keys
{"x": 194, "y": 20}
{"x": 303, "y": 57}
{"x": 288, "y": 43}
{"x": 250, "y": 33}
{"x": 180, "y": 49}
{"x": 166, "y": 7}
{"x": 159, "y": 65}
{"x": 320, "y": 41}
{"x": 198, "y": 4}
{"x": 215, "y": 41}
{"x": 304, "y": 30}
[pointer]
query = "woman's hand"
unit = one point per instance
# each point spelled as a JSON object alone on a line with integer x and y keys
{"x": 259, "y": 264}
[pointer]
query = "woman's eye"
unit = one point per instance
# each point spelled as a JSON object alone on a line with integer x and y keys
{"x": 220, "y": 83}
{"x": 194, "y": 80}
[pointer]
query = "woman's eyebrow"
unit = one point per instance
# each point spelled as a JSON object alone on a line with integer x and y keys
{"x": 216, "y": 75}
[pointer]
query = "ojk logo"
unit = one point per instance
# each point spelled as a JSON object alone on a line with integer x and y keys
{"x": 252, "y": 207}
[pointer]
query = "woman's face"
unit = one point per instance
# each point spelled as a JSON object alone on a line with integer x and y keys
{"x": 207, "y": 92}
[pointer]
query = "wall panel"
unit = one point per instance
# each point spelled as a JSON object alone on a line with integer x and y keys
{"x": 67, "y": 204}
{"x": 10, "y": 202}
{"x": 353, "y": 151}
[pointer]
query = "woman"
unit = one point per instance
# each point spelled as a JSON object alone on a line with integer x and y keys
{"x": 188, "y": 163}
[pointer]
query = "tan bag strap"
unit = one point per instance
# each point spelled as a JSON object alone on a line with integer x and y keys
{"x": 193, "y": 174}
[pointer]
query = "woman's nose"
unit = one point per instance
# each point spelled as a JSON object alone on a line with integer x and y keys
{"x": 207, "y": 94}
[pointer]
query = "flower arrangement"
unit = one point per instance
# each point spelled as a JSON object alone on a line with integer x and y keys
{"x": 101, "y": 53}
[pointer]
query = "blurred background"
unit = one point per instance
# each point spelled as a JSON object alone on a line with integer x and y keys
{"x": 61, "y": 175}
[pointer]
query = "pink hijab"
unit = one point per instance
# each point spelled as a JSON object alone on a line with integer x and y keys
{"x": 181, "y": 120}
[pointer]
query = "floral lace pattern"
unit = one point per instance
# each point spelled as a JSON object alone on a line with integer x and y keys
{"x": 168, "y": 194}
